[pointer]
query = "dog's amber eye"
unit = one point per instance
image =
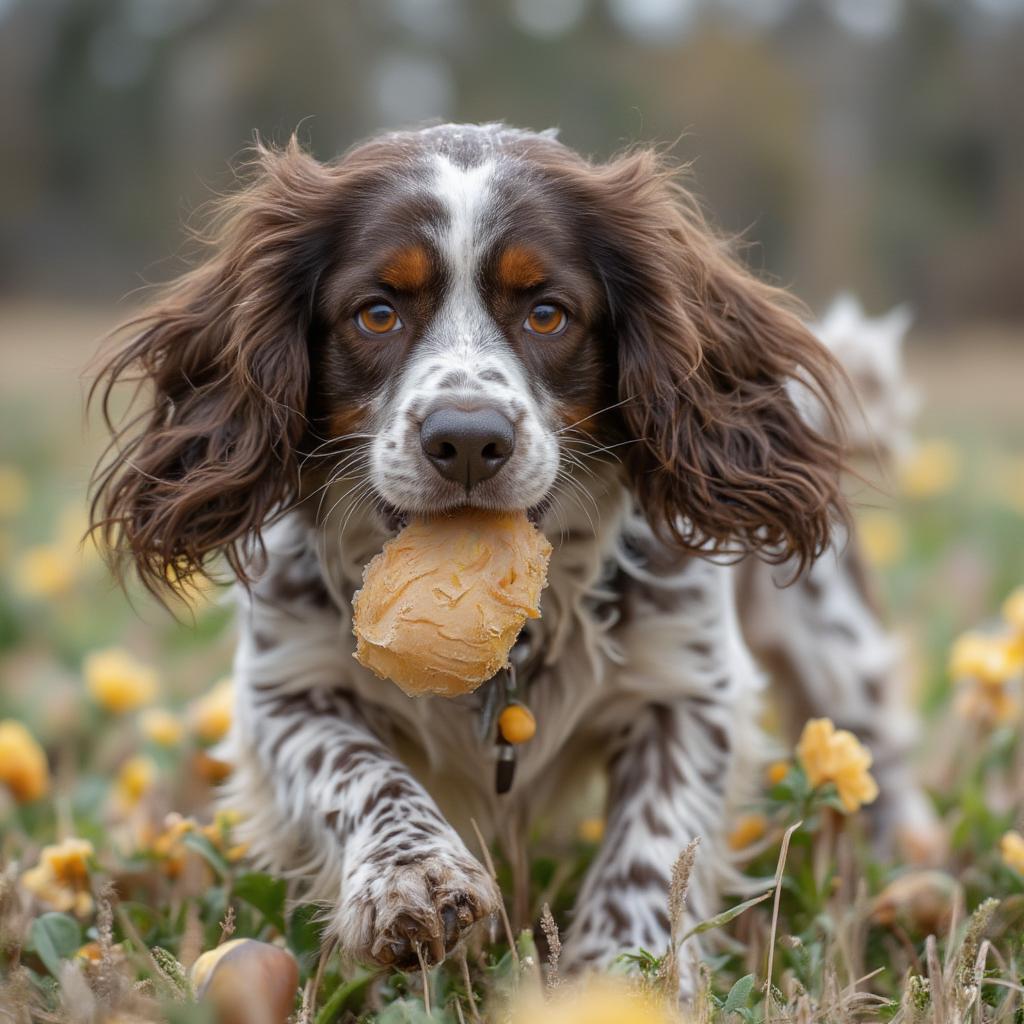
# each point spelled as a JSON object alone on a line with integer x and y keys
{"x": 546, "y": 318}
{"x": 378, "y": 318}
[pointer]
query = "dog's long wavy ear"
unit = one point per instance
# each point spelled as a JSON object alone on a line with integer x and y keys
{"x": 723, "y": 459}
{"x": 221, "y": 366}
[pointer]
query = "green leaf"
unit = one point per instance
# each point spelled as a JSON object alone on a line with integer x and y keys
{"x": 727, "y": 915}
{"x": 206, "y": 850}
{"x": 54, "y": 937}
{"x": 739, "y": 994}
{"x": 412, "y": 1011}
{"x": 187, "y": 1013}
{"x": 265, "y": 893}
{"x": 526, "y": 946}
{"x": 340, "y": 998}
{"x": 304, "y": 935}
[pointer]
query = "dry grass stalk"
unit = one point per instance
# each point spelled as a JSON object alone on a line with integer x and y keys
{"x": 468, "y": 981}
{"x": 326, "y": 952}
{"x": 425, "y": 975}
{"x": 668, "y": 974}
{"x": 550, "y": 929}
{"x": 107, "y": 979}
{"x": 779, "y": 870}
{"x": 227, "y": 926}
{"x": 489, "y": 863}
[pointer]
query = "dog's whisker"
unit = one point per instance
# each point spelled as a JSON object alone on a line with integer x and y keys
{"x": 575, "y": 461}
{"x": 340, "y": 473}
{"x": 596, "y": 413}
{"x": 583, "y": 492}
{"x": 560, "y": 486}
{"x": 340, "y": 439}
{"x": 361, "y": 500}
{"x": 361, "y": 482}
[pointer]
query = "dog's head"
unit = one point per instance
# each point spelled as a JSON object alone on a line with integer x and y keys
{"x": 462, "y": 315}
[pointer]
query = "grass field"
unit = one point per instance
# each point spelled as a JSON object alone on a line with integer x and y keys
{"x": 114, "y": 878}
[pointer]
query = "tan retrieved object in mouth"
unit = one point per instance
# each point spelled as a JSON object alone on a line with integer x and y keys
{"x": 444, "y": 601}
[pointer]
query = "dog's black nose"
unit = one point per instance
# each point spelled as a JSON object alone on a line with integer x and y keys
{"x": 467, "y": 446}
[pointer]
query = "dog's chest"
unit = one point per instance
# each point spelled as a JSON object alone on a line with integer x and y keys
{"x": 562, "y": 674}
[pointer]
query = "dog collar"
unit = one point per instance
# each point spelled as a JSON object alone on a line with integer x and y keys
{"x": 505, "y": 717}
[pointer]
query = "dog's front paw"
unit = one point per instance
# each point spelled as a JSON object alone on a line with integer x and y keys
{"x": 393, "y": 914}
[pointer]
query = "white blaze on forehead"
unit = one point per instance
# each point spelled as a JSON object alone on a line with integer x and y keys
{"x": 464, "y": 192}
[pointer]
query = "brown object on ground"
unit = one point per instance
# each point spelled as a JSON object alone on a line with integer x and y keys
{"x": 444, "y": 601}
{"x": 247, "y": 982}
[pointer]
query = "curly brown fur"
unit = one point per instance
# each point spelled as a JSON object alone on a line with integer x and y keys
{"x": 724, "y": 459}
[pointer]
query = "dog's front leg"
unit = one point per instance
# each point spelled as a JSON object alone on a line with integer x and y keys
{"x": 370, "y": 835}
{"x": 667, "y": 786}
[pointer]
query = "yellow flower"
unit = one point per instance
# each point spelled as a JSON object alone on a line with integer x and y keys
{"x": 119, "y": 682}
{"x": 1013, "y": 610}
{"x": 161, "y": 727}
{"x": 748, "y": 829}
{"x": 210, "y": 769}
{"x": 1011, "y": 846}
{"x": 990, "y": 705}
{"x": 883, "y": 538}
{"x": 135, "y": 779}
{"x": 932, "y": 469}
{"x": 13, "y": 492}
{"x": 23, "y": 767}
{"x": 61, "y": 878}
{"x": 168, "y": 846}
{"x": 837, "y": 756}
{"x": 776, "y": 772}
{"x": 170, "y": 849}
{"x": 219, "y": 833}
{"x": 992, "y": 659}
{"x": 194, "y": 588}
{"x": 591, "y": 830}
{"x": 44, "y": 572}
{"x": 599, "y": 1001}
{"x": 211, "y": 714}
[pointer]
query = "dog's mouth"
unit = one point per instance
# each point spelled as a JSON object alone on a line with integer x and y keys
{"x": 396, "y": 519}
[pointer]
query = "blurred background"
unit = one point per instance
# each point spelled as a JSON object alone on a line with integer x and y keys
{"x": 869, "y": 145}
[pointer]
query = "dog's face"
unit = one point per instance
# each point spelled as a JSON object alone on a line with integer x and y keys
{"x": 461, "y": 341}
{"x": 460, "y": 316}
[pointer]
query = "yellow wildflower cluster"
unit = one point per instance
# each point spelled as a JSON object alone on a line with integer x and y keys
{"x": 135, "y": 779}
{"x": 61, "y": 878}
{"x": 210, "y": 715}
{"x": 44, "y": 572}
{"x": 23, "y": 767}
{"x": 1011, "y": 846}
{"x": 162, "y": 727}
{"x": 600, "y": 1001}
{"x": 194, "y": 588}
{"x": 987, "y": 667}
{"x": 119, "y": 682}
{"x": 170, "y": 849}
{"x": 882, "y": 536}
{"x": 837, "y": 756}
{"x": 747, "y": 830}
{"x": 931, "y": 470}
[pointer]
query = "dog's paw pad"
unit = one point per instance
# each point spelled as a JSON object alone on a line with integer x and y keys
{"x": 417, "y": 912}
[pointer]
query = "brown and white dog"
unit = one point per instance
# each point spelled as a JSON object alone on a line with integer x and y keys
{"x": 476, "y": 315}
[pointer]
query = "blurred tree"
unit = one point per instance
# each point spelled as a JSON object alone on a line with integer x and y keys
{"x": 875, "y": 144}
